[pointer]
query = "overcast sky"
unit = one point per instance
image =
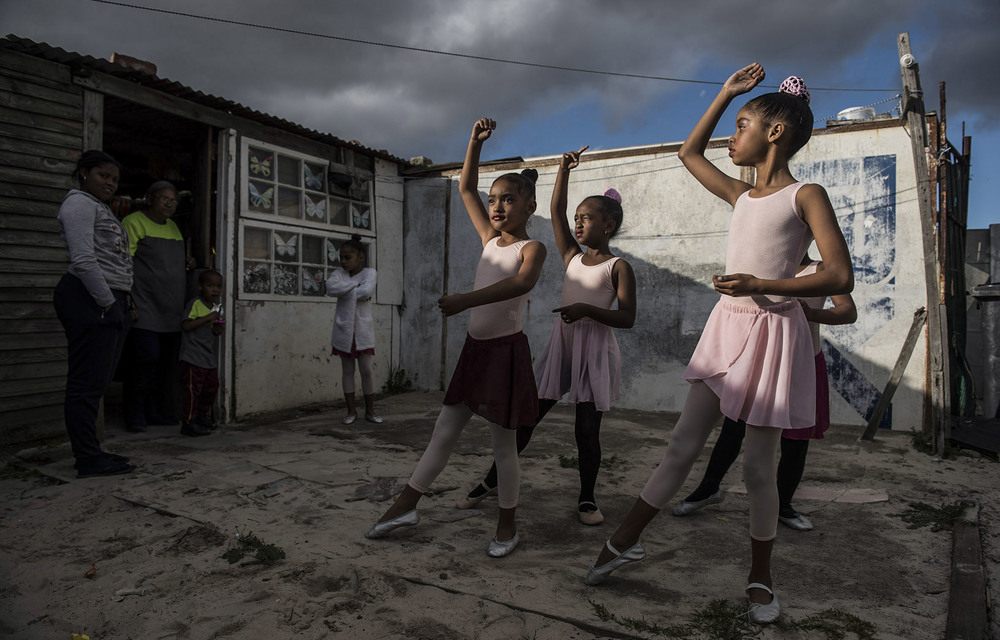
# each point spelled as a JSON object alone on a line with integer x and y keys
{"x": 412, "y": 103}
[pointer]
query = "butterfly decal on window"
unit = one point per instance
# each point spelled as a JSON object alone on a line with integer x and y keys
{"x": 363, "y": 219}
{"x": 311, "y": 280}
{"x": 286, "y": 247}
{"x": 259, "y": 199}
{"x": 332, "y": 252}
{"x": 313, "y": 181}
{"x": 260, "y": 167}
{"x": 315, "y": 209}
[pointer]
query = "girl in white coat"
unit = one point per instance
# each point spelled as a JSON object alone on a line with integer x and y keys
{"x": 353, "y": 337}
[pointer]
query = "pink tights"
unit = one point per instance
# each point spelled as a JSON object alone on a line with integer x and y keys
{"x": 450, "y": 423}
{"x": 700, "y": 415}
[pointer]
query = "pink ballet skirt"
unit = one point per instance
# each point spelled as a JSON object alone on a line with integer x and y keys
{"x": 581, "y": 359}
{"x": 816, "y": 431}
{"x": 494, "y": 379}
{"x": 759, "y": 361}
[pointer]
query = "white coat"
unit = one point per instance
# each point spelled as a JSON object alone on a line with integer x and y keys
{"x": 353, "y": 319}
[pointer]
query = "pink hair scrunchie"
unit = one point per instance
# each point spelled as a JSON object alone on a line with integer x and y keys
{"x": 795, "y": 86}
{"x": 614, "y": 195}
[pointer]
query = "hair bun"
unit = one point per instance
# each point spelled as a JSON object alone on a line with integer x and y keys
{"x": 356, "y": 237}
{"x": 795, "y": 86}
{"x": 614, "y": 195}
{"x": 530, "y": 174}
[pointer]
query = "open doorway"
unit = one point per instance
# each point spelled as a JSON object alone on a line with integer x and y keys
{"x": 151, "y": 146}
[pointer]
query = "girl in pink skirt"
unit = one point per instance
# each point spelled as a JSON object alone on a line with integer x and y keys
{"x": 493, "y": 377}
{"x": 582, "y": 357}
{"x": 794, "y": 442}
{"x": 754, "y": 360}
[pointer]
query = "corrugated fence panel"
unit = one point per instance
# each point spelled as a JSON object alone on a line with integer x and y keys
{"x": 41, "y": 137}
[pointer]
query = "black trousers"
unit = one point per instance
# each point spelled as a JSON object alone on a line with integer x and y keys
{"x": 94, "y": 338}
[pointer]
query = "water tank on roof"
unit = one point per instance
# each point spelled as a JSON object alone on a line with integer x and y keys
{"x": 857, "y": 113}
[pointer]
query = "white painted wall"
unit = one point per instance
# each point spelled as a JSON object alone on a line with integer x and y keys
{"x": 674, "y": 236}
{"x": 282, "y": 348}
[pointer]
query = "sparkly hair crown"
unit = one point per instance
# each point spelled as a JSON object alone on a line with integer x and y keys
{"x": 795, "y": 86}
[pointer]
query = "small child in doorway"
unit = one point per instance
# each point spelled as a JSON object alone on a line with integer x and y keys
{"x": 202, "y": 326}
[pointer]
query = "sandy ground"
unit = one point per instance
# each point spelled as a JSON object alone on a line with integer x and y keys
{"x": 312, "y": 486}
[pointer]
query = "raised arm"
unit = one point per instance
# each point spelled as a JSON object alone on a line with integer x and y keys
{"x": 622, "y": 317}
{"x": 468, "y": 183}
{"x": 532, "y": 259}
{"x": 692, "y": 152}
{"x": 565, "y": 241}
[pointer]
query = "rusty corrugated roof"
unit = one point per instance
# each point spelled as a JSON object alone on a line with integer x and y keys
{"x": 72, "y": 59}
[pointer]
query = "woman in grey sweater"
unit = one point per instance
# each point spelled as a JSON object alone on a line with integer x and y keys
{"x": 93, "y": 304}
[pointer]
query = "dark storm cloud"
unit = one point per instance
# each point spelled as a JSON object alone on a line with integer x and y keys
{"x": 416, "y": 103}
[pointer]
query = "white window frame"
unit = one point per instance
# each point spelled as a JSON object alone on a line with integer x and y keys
{"x": 286, "y": 226}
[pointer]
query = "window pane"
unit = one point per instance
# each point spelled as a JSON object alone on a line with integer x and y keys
{"x": 314, "y": 176}
{"x": 361, "y": 188}
{"x": 256, "y": 244}
{"x": 256, "y": 277}
{"x": 288, "y": 171}
{"x": 260, "y": 162}
{"x": 361, "y": 217}
{"x": 332, "y": 253}
{"x": 288, "y": 203}
{"x": 261, "y": 197}
{"x": 340, "y": 183}
{"x": 286, "y": 247}
{"x": 286, "y": 279}
{"x": 339, "y": 212}
{"x": 312, "y": 249}
{"x": 315, "y": 209}
{"x": 313, "y": 282}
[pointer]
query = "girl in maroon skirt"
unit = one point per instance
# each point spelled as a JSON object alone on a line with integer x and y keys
{"x": 493, "y": 377}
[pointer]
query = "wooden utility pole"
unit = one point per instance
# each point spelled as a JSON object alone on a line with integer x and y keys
{"x": 937, "y": 320}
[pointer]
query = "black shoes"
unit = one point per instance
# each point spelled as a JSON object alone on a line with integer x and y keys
{"x": 194, "y": 429}
{"x": 107, "y": 464}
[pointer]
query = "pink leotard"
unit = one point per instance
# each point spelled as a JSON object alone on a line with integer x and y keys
{"x": 497, "y": 318}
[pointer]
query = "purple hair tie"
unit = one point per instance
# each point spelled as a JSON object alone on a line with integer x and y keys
{"x": 614, "y": 195}
{"x": 795, "y": 86}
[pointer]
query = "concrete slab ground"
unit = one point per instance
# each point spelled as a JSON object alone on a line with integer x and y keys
{"x": 153, "y": 540}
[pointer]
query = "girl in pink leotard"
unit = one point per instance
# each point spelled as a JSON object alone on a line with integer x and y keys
{"x": 754, "y": 361}
{"x": 493, "y": 377}
{"x": 581, "y": 360}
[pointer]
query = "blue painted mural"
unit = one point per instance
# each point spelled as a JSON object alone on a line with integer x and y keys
{"x": 863, "y": 194}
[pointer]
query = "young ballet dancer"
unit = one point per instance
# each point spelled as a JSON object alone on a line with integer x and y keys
{"x": 353, "y": 335}
{"x": 753, "y": 361}
{"x": 493, "y": 377}
{"x": 794, "y": 442}
{"x": 582, "y": 356}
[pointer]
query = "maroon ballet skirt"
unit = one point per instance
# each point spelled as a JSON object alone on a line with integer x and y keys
{"x": 494, "y": 379}
{"x": 355, "y": 352}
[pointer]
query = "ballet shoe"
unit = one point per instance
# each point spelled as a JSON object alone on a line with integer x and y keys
{"x": 684, "y": 507}
{"x": 597, "y": 575}
{"x": 379, "y": 529}
{"x": 499, "y": 549}
{"x": 763, "y": 613}
{"x": 469, "y": 502}
{"x": 590, "y": 518}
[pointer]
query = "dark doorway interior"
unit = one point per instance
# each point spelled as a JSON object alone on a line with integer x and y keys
{"x": 154, "y": 145}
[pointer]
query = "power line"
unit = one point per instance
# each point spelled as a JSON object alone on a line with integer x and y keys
{"x": 453, "y": 54}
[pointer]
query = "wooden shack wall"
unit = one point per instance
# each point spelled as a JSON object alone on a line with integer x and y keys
{"x": 41, "y": 138}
